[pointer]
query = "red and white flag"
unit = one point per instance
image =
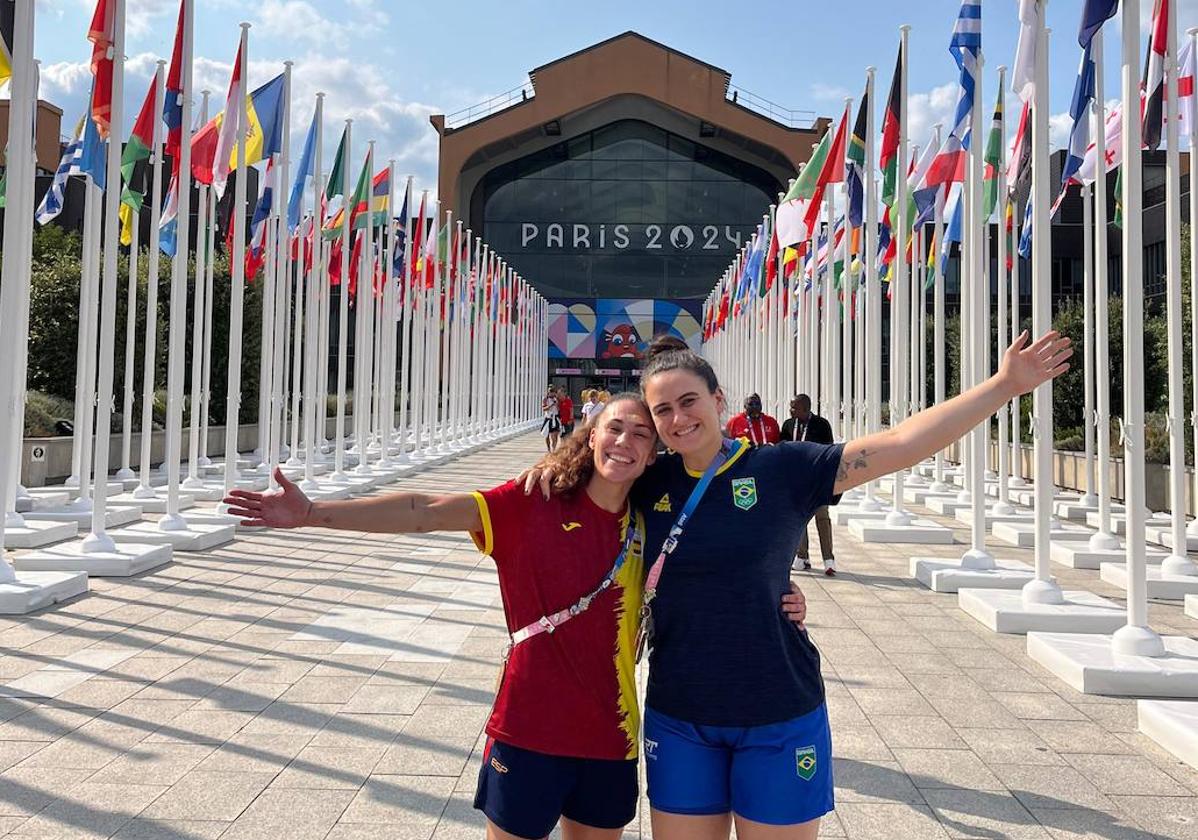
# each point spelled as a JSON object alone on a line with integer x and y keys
{"x": 1087, "y": 172}
{"x": 101, "y": 35}
{"x": 226, "y": 141}
{"x": 1185, "y": 89}
{"x": 1154, "y": 83}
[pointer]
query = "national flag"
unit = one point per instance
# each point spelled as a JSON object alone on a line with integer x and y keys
{"x": 1119, "y": 199}
{"x": 302, "y": 174}
{"x": 1087, "y": 173}
{"x": 953, "y": 215}
{"x": 6, "y": 34}
{"x": 168, "y": 222}
{"x": 888, "y": 156}
{"x": 1019, "y": 164}
{"x": 137, "y": 150}
{"x": 751, "y": 269}
{"x": 418, "y": 233}
{"x": 965, "y": 47}
{"x": 1023, "y": 76}
{"x": 52, "y": 201}
{"x": 792, "y": 214}
{"x": 814, "y": 179}
{"x": 172, "y": 104}
{"x": 1094, "y": 14}
{"x": 855, "y": 164}
{"x": 255, "y": 255}
{"x": 771, "y": 262}
{"x": 921, "y": 191}
{"x": 101, "y": 34}
{"x": 993, "y": 160}
{"x": 1025, "y": 235}
{"x": 213, "y": 160}
{"x": 1185, "y": 88}
{"x": 401, "y": 232}
{"x": 1079, "y": 112}
{"x": 1154, "y": 79}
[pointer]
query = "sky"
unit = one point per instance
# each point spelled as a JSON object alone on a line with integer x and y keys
{"x": 390, "y": 64}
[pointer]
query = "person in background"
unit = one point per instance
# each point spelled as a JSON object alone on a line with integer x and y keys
{"x": 804, "y": 425}
{"x": 754, "y": 424}
{"x": 551, "y": 424}
{"x": 588, "y": 404}
{"x": 601, "y": 399}
{"x": 565, "y": 411}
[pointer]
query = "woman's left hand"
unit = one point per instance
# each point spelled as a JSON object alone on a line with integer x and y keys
{"x": 794, "y": 605}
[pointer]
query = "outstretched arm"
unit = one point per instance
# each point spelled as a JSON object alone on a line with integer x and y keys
{"x": 390, "y": 513}
{"x": 929, "y": 431}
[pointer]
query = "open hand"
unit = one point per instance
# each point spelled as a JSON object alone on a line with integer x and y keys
{"x": 286, "y": 507}
{"x": 536, "y": 476}
{"x": 1025, "y": 367}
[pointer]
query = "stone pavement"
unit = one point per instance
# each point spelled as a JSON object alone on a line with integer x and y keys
{"x": 297, "y": 685}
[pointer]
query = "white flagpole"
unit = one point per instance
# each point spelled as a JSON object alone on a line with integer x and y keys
{"x": 1017, "y": 479}
{"x": 1177, "y": 563}
{"x": 409, "y": 303}
{"x": 364, "y": 314}
{"x": 1003, "y": 506}
{"x": 1136, "y": 637}
{"x": 1088, "y": 497}
{"x": 387, "y": 323}
{"x": 98, "y": 541}
{"x": 280, "y": 342}
{"x": 125, "y": 472}
{"x": 873, "y": 303}
{"x": 206, "y": 344}
{"x": 85, "y": 355}
{"x": 939, "y": 485}
{"x": 898, "y": 402}
{"x": 237, "y": 290}
{"x": 313, "y": 411}
{"x": 198, "y": 328}
{"x": 339, "y": 474}
{"x": 446, "y": 332}
{"x": 1192, "y": 34}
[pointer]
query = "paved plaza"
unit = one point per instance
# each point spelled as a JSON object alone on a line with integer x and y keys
{"x": 308, "y": 685}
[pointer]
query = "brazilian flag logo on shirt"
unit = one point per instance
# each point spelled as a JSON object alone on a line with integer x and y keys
{"x": 805, "y": 763}
{"x": 744, "y": 492}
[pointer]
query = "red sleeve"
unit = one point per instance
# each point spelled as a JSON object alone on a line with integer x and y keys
{"x": 501, "y": 510}
{"x": 737, "y": 427}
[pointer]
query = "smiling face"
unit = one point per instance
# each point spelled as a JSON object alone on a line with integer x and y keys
{"x": 623, "y": 442}
{"x": 685, "y": 412}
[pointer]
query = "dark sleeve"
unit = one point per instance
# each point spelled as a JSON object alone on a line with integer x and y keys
{"x": 825, "y": 432}
{"x": 811, "y": 469}
{"x": 788, "y": 427}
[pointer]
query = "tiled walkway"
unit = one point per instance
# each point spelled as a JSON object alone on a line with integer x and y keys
{"x": 301, "y": 685}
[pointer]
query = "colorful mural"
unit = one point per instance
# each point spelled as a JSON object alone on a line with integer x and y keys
{"x": 590, "y": 328}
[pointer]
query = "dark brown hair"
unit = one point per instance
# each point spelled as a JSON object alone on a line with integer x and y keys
{"x": 668, "y": 352}
{"x": 573, "y": 462}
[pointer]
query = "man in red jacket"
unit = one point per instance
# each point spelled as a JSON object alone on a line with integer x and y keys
{"x": 565, "y": 411}
{"x": 752, "y": 423}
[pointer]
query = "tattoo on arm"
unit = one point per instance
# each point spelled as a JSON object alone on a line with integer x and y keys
{"x": 849, "y": 463}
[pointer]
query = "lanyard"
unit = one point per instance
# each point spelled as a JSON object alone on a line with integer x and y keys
{"x": 550, "y": 623}
{"x": 753, "y": 436}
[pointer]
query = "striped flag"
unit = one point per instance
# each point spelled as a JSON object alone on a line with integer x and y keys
{"x": 172, "y": 103}
{"x": 1079, "y": 134}
{"x": 100, "y": 33}
{"x": 1154, "y": 97}
{"x": 888, "y": 154}
{"x": 993, "y": 160}
{"x": 52, "y": 202}
{"x": 1185, "y": 88}
{"x": 229, "y": 129}
{"x": 1023, "y": 76}
{"x": 855, "y": 165}
{"x": 965, "y": 45}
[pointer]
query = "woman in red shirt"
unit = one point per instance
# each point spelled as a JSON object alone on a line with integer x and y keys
{"x": 564, "y": 730}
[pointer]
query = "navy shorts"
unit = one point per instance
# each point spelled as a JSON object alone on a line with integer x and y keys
{"x": 779, "y": 773}
{"x": 525, "y": 793}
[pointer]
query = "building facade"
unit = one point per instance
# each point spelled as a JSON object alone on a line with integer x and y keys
{"x": 620, "y": 182}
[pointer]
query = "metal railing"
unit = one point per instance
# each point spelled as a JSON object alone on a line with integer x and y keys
{"x": 487, "y": 107}
{"x": 790, "y": 117}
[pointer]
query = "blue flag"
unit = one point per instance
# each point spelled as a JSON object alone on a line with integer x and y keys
{"x": 1094, "y": 14}
{"x": 302, "y": 174}
{"x": 964, "y": 47}
{"x": 1025, "y": 237}
{"x": 1079, "y": 112}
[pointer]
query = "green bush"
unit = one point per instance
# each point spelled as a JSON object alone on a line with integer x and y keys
{"x": 42, "y": 411}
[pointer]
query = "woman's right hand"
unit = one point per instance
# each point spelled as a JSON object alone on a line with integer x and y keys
{"x": 286, "y": 507}
{"x": 534, "y": 476}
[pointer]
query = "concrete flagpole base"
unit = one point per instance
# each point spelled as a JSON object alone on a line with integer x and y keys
{"x": 123, "y": 559}
{"x": 1089, "y": 663}
{"x": 1009, "y": 611}
{"x": 1023, "y": 534}
{"x": 114, "y": 515}
{"x": 1161, "y": 584}
{"x": 35, "y": 533}
{"x": 156, "y": 504}
{"x": 965, "y": 515}
{"x": 947, "y": 505}
{"x": 946, "y": 574}
{"x": 42, "y": 497}
{"x": 198, "y": 535}
{"x": 1173, "y": 724}
{"x": 916, "y": 530}
{"x": 1077, "y": 554}
{"x": 35, "y": 590}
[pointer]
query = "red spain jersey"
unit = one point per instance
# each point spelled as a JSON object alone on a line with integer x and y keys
{"x": 571, "y": 692}
{"x": 758, "y": 432}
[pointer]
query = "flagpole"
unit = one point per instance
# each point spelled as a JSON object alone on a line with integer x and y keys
{"x": 313, "y": 411}
{"x": 98, "y": 541}
{"x": 209, "y": 272}
{"x": 939, "y": 485}
{"x": 408, "y": 304}
{"x": 339, "y": 475}
{"x": 387, "y": 324}
{"x": 280, "y": 342}
{"x": 198, "y": 327}
{"x": 1177, "y": 563}
{"x": 1192, "y": 34}
{"x": 364, "y": 315}
{"x": 873, "y": 307}
{"x": 125, "y": 472}
{"x": 1003, "y": 506}
{"x": 85, "y": 387}
{"x": 446, "y": 332}
{"x": 897, "y": 516}
{"x": 237, "y": 291}
{"x": 1017, "y": 479}
{"x": 1136, "y": 637}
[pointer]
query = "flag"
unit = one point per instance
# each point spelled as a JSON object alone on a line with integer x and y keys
{"x": 6, "y": 33}
{"x": 211, "y": 163}
{"x": 1185, "y": 88}
{"x": 952, "y": 228}
{"x": 52, "y": 201}
{"x": 1094, "y": 14}
{"x": 168, "y": 222}
{"x": 172, "y": 103}
{"x": 921, "y": 193}
{"x": 302, "y": 174}
{"x": 418, "y": 233}
{"x": 888, "y": 156}
{"x": 255, "y": 255}
{"x": 100, "y": 33}
{"x": 1088, "y": 171}
{"x": 792, "y": 213}
{"x": 751, "y": 270}
{"x": 855, "y": 165}
{"x": 1023, "y": 76}
{"x": 814, "y": 179}
{"x": 137, "y": 150}
{"x": 1119, "y": 199}
{"x": 771, "y": 262}
{"x": 1079, "y": 112}
{"x": 1019, "y": 164}
{"x": 964, "y": 46}
{"x": 1154, "y": 79}
{"x": 993, "y": 160}
{"x": 1025, "y": 235}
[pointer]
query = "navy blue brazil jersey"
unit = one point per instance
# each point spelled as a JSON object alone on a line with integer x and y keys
{"x": 723, "y": 652}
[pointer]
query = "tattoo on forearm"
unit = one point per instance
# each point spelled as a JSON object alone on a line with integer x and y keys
{"x": 849, "y": 463}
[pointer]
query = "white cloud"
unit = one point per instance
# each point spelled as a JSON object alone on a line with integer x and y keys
{"x": 298, "y": 20}
{"x": 925, "y": 110}
{"x": 1059, "y": 126}
{"x": 825, "y": 92}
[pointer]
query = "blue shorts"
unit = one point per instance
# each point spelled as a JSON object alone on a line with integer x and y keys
{"x": 779, "y": 773}
{"x": 525, "y": 793}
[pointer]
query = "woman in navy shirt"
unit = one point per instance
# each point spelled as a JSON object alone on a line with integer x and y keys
{"x": 735, "y": 724}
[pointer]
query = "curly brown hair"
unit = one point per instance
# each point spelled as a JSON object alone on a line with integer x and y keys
{"x": 572, "y": 463}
